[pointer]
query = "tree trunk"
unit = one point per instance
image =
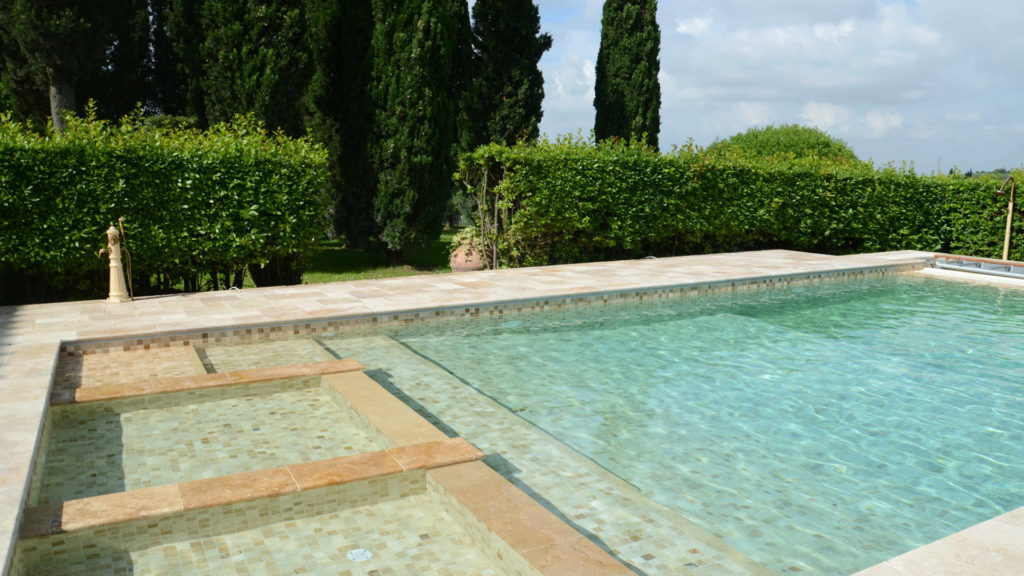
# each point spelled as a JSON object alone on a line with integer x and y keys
{"x": 62, "y": 98}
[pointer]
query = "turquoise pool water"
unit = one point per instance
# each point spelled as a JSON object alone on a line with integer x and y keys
{"x": 821, "y": 429}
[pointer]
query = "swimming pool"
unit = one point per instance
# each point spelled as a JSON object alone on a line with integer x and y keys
{"x": 127, "y": 335}
{"x": 819, "y": 428}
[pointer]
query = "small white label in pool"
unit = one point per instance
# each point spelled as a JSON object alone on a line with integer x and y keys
{"x": 359, "y": 555}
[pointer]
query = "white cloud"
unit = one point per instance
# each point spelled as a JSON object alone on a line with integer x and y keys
{"x": 749, "y": 114}
{"x": 574, "y": 78}
{"x": 834, "y": 33}
{"x": 826, "y": 116}
{"x": 926, "y": 132}
{"x": 737, "y": 117}
{"x": 693, "y": 26}
{"x": 880, "y": 123}
{"x": 897, "y": 26}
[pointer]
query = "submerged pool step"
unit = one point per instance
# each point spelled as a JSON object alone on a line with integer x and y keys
{"x": 108, "y": 509}
{"x": 180, "y": 383}
{"x": 1004, "y": 268}
{"x": 514, "y": 531}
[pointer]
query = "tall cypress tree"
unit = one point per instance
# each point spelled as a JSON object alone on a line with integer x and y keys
{"x": 341, "y": 111}
{"x": 169, "y": 84}
{"x": 124, "y": 78}
{"x": 627, "y": 94}
{"x": 414, "y": 128}
{"x": 178, "y": 57}
{"x": 509, "y": 87}
{"x": 464, "y": 68}
{"x": 255, "y": 59}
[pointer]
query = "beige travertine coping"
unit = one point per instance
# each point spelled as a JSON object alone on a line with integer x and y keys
{"x": 993, "y": 548}
{"x": 180, "y": 383}
{"x": 96, "y": 511}
{"x": 31, "y": 335}
{"x": 549, "y": 544}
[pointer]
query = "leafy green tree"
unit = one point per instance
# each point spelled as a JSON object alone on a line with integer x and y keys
{"x": 414, "y": 124}
{"x": 627, "y": 94}
{"x": 21, "y": 92}
{"x": 341, "y": 111}
{"x": 799, "y": 141}
{"x": 255, "y": 59}
{"x": 59, "y": 42}
{"x": 509, "y": 87}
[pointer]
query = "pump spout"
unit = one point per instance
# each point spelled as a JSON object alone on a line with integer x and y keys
{"x": 118, "y": 288}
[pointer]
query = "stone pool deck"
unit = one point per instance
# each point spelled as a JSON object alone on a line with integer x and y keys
{"x": 30, "y": 339}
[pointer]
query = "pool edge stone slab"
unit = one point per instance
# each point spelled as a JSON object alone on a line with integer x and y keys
{"x": 357, "y": 322}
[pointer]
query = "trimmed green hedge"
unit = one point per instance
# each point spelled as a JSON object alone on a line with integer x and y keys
{"x": 572, "y": 201}
{"x": 196, "y": 204}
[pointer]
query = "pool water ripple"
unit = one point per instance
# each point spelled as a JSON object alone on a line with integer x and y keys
{"x": 825, "y": 429}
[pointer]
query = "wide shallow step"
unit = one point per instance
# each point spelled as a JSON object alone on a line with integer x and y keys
{"x": 1004, "y": 268}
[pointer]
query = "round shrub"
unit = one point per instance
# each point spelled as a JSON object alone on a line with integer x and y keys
{"x": 788, "y": 139}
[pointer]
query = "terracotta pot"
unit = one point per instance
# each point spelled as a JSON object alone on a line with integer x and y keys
{"x": 466, "y": 259}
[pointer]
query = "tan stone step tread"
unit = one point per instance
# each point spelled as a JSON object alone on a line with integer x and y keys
{"x": 85, "y": 513}
{"x": 550, "y": 545}
{"x": 392, "y": 417}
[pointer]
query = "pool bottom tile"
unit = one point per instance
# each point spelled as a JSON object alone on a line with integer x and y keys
{"x": 402, "y": 525}
{"x": 114, "y": 446}
{"x": 123, "y": 367}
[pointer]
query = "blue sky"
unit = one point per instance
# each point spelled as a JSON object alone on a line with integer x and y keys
{"x": 930, "y": 82}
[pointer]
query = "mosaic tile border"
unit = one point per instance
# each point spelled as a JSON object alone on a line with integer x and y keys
{"x": 329, "y": 326}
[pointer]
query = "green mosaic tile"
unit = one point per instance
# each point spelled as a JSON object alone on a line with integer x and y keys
{"x": 105, "y": 447}
{"x": 390, "y": 526}
{"x": 230, "y": 357}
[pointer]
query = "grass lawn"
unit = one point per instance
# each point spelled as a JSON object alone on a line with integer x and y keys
{"x": 332, "y": 263}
